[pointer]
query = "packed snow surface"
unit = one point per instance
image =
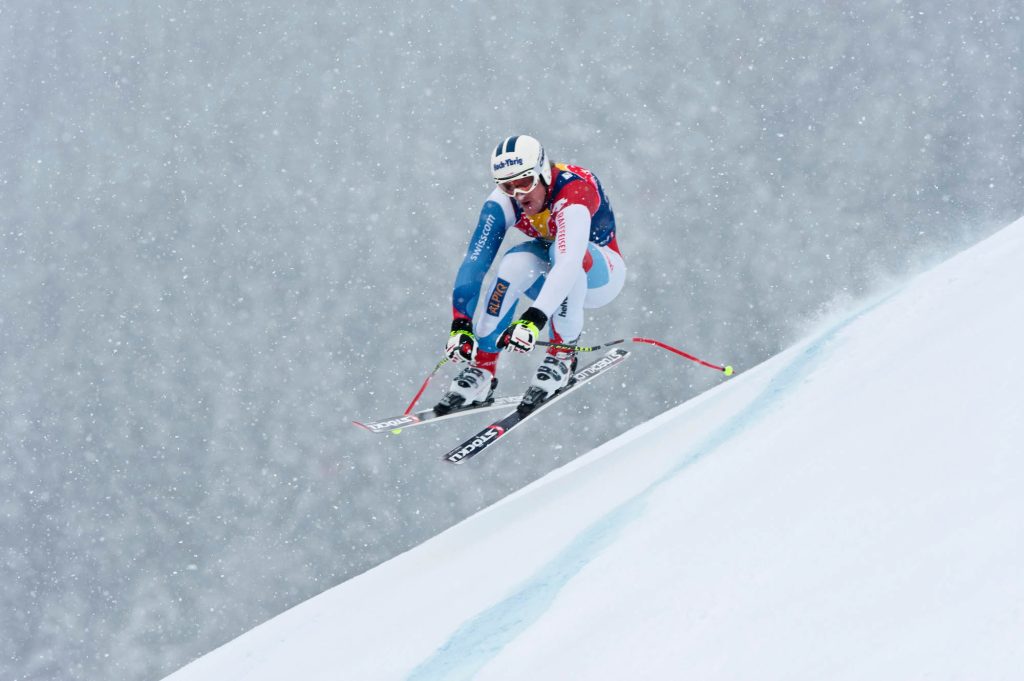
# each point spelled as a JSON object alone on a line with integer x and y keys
{"x": 850, "y": 509}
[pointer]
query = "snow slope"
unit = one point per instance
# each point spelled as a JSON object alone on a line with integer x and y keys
{"x": 850, "y": 509}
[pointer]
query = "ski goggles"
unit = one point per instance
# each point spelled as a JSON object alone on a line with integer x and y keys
{"x": 520, "y": 185}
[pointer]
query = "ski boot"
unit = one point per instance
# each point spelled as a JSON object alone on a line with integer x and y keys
{"x": 555, "y": 373}
{"x": 473, "y": 386}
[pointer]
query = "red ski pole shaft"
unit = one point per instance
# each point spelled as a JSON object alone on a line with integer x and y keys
{"x": 727, "y": 369}
{"x": 424, "y": 386}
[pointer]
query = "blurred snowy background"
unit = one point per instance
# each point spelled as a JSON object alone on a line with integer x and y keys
{"x": 229, "y": 228}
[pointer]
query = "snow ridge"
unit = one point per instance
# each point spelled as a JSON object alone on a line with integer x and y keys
{"x": 481, "y": 638}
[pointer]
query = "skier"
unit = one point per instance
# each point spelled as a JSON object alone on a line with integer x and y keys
{"x": 571, "y": 262}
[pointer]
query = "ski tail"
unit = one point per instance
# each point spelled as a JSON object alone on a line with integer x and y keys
{"x": 394, "y": 423}
{"x": 488, "y": 436}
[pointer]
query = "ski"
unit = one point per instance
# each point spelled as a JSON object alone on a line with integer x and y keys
{"x": 492, "y": 433}
{"x": 418, "y": 418}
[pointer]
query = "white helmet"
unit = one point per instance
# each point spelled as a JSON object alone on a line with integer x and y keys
{"x": 518, "y": 157}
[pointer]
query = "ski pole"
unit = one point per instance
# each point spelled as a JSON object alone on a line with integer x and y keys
{"x": 727, "y": 369}
{"x": 424, "y": 386}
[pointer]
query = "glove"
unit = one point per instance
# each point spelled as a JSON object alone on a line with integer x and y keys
{"x": 462, "y": 345}
{"x": 522, "y": 334}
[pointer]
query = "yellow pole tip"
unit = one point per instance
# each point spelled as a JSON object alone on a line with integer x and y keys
{"x": 396, "y": 431}
{"x": 728, "y": 370}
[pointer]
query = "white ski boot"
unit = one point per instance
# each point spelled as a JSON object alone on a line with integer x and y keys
{"x": 473, "y": 385}
{"x": 555, "y": 373}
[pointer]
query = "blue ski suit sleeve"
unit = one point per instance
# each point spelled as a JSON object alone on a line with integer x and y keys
{"x": 483, "y": 248}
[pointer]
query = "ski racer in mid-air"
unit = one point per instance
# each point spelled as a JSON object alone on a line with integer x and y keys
{"x": 571, "y": 262}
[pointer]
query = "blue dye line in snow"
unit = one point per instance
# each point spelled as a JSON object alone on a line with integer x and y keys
{"x": 482, "y": 638}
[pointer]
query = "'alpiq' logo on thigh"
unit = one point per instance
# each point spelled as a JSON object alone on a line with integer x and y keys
{"x": 497, "y": 297}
